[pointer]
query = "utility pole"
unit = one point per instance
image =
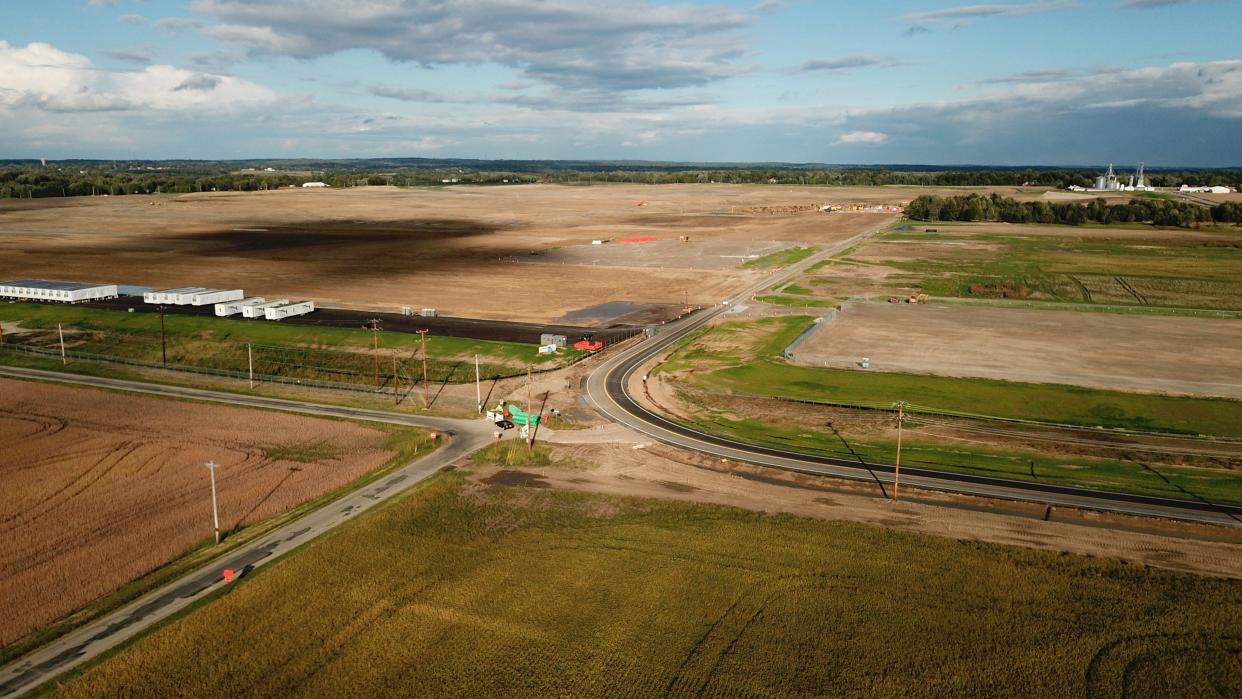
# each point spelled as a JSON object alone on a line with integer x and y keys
{"x": 61, "y": 330}
{"x": 375, "y": 350}
{"x": 901, "y": 414}
{"x": 478, "y": 390}
{"x": 215, "y": 512}
{"x": 163, "y": 338}
{"x": 396, "y": 382}
{"x": 250, "y": 362}
{"x": 426, "y": 393}
{"x": 530, "y": 429}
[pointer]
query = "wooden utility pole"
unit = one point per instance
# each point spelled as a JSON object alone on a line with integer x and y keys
{"x": 375, "y": 350}
{"x": 426, "y": 391}
{"x": 478, "y": 390}
{"x": 163, "y": 339}
{"x": 215, "y": 513}
{"x": 250, "y": 362}
{"x": 530, "y": 429}
{"x": 396, "y": 396}
{"x": 61, "y": 330}
{"x": 901, "y": 415}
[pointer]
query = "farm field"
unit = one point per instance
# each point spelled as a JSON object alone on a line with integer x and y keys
{"x": 449, "y": 248}
{"x": 1136, "y": 268}
{"x": 102, "y": 488}
{"x": 1193, "y": 356}
{"x": 340, "y": 355}
{"x": 466, "y": 588}
{"x": 732, "y": 379}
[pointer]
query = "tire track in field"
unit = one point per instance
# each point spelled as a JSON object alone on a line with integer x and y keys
{"x": 78, "y": 485}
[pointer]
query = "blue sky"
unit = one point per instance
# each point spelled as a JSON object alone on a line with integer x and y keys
{"x": 1046, "y": 82}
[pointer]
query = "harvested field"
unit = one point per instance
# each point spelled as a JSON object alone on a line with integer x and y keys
{"x": 382, "y": 248}
{"x": 1193, "y": 356}
{"x": 101, "y": 488}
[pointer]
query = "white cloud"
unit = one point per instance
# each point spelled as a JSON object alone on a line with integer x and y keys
{"x": 571, "y": 44}
{"x": 41, "y": 76}
{"x": 965, "y": 13}
{"x": 862, "y": 137}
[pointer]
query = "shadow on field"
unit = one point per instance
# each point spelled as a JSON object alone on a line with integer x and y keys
{"x": 288, "y": 474}
{"x": 861, "y": 461}
{"x": 1191, "y": 495}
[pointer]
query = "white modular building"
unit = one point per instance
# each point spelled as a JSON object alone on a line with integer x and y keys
{"x": 212, "y": 296}
{"x": 257, "y": 310}
{"x": 229, "y": 308}
{"x": 298, "y": 308}
{"x": 50, "y": 290}
{"x": 176, "y": 297}
{"x": 161, "y": 295}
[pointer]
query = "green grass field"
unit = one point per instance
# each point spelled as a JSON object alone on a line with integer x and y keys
{"x": 759, "y": 369}
{"x": 781, "y": 258}
{"x": 1157, "y": 272}
{"x": 464, "y": 590}
{"x": 306, "y": 352}
{"x": 744, "y": 357}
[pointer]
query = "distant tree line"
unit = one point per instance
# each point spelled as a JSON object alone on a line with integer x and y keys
{"x": 975, "y": 207}
{"x": 68, "y": 178}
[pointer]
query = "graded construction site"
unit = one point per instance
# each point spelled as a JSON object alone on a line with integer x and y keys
{"x": 450, "y": 248}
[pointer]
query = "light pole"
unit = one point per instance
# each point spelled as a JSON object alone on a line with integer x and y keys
{"x": 215, "y": 513}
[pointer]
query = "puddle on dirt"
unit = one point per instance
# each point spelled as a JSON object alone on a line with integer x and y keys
{"x": 520, "y": 478}
{"x": 604, "y": 311}
{"x": 622, "y": 312}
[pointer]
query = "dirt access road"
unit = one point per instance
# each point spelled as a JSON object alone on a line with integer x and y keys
{"x": 1159, "y": 354}
{"x": 448, "y": 248}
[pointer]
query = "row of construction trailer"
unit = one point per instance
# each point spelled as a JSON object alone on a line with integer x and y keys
{"x": 230, "y": 302}
{"x": 50, "y": 290}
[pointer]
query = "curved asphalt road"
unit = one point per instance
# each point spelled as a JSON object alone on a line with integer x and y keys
{"x": 608, "y": 389}
{"x": 111, "y": 630}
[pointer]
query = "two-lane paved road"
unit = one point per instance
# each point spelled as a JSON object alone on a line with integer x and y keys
{"x": 608, "y": 389}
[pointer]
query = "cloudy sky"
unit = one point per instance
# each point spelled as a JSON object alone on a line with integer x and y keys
{"x": 1042, "y": 82}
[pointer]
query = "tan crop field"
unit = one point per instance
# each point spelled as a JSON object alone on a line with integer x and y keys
{"x": 449, "y": 248}
{"x": 478, "y": 588}
{"x": 1191, "y": 356}
{"x": 101, "y": 488}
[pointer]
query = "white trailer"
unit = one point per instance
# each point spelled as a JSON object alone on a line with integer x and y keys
{"x": 163, "y": 295}
{"x": 182, "y": 298}
{"x": 257, "y": 310}
{"x": 49, "y": 290}
{"x": 229, "y": 308}
{"x": 299, "y": 308}
{"x": 216, "y": 296}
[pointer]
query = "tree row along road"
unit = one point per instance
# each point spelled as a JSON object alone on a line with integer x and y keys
{"x": 113, "y": 629}
{"x": 608, "y": 390}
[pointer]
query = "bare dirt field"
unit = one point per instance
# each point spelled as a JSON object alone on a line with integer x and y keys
{"x": 1193, "y": 356}
{"x": 449, "y": 248}
{"x": 100, "y": 488}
